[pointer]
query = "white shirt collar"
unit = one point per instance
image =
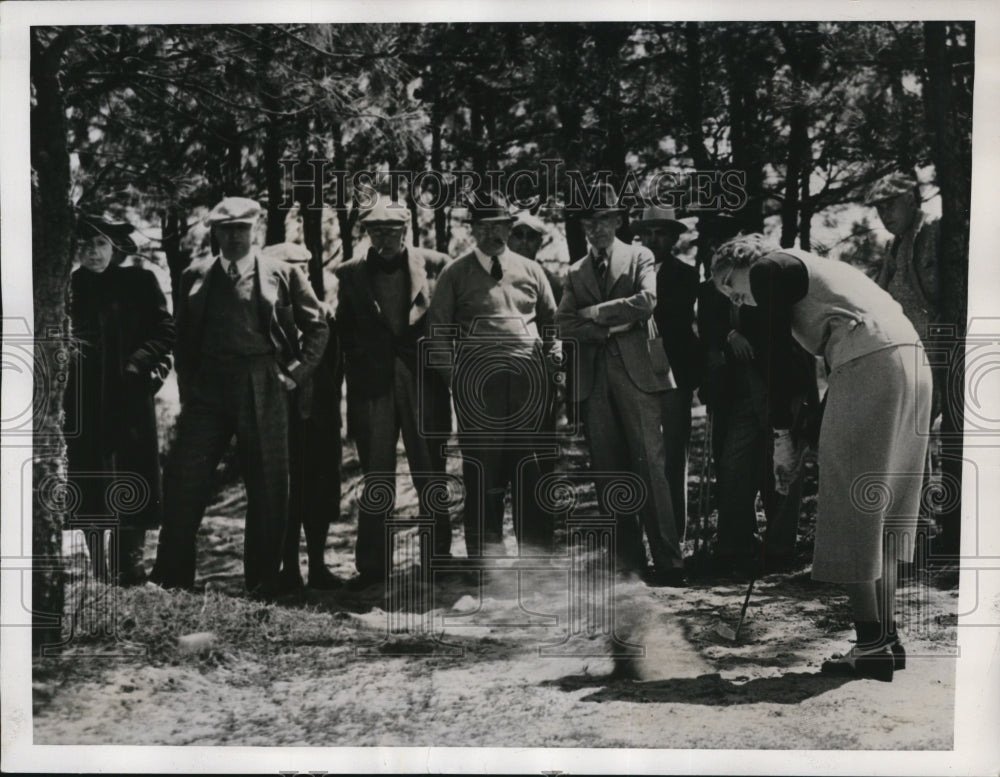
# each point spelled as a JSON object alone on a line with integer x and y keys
{"x": 486, "y": 260}
{"x": 243, "y": 266}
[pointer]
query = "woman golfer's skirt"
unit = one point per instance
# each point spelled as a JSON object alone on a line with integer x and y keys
{"x": 872, "y": 453}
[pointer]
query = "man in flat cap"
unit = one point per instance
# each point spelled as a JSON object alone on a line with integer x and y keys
{"x": 608, "y": 300}
{"x": 676, "y": 292}
{"x": 910, "y": 269}
{"x": 382, "y": 314}
{"x": 249, "y": 329}
{"x": 314, "y": 444}
{"x": 910, "y": 272}
{"x": 498, "y": 308}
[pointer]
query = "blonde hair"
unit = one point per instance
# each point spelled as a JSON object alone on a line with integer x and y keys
{"x": 741, "y": 251}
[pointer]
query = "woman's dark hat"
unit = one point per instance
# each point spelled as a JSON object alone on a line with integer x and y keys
{"x": 719, "y": 225}
{"x": 118, "y": 232}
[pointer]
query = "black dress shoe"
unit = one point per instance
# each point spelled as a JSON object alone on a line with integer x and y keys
{"x": 289, "y": 582}
{"x": 324, "y": 580}
{"x": 668, "y": 578}
{"x": 876, "y": 663}
{"x": 898, "y": 655}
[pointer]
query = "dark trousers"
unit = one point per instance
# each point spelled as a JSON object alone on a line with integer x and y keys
{"x": 376, "y": 423}
{"x": 744, "y": 469}
{"x": 624, "y": 429}
{"x": 314, "y": 490}
{"x": 245, "y": 399}
{"x": 495, "y": 456}
{"x": 676, "y": 404}
{"x": 950, "y": 402}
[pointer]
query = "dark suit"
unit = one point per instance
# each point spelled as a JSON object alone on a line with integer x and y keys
{"x": 742, "y": 401}
{"x": 676, "y": 292}
{"x": 242, "y": 395}
{"x": 622, "y": 394}
{"x": 386, "y": 396}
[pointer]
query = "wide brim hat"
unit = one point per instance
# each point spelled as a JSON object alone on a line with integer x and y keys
{"x": 234, "y": 210}
{"x": 488, "y": 207}
{"x": 118, "y": 232}
{"x": 889, "y": 186}
{"x": 596, "y": 201}
{"x": 658, "y": 216}
{"x": 530, "y": 221}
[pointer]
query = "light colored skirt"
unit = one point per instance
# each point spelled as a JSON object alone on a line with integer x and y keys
{"x": 872, "y": 453}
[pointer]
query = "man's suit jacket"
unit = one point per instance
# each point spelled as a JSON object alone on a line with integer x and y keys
{"x": 629, "y": 297}
{"x": 923, "y": 241}
{"x": 676, "y": 291}
{"x": 370, "y": 347}
{"x": 288, "y": 307}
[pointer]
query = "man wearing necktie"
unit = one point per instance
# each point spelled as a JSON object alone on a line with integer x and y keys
{"x": 608, "y": 298}
{"x": 492, "y": 315}
{"x": 249, "y": 329}
{"x": 382, "y": 304}
{"x": 676, "y": 291}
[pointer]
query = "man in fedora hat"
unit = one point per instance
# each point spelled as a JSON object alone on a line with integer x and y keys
{"x": 491, "y": 313}
{"x": 608, "y": 299}
{"x": 314, "y": 444}
{"x": 249, "y": 330}
{"x": 676, "y": 292}
{"x": 382, "y": 306}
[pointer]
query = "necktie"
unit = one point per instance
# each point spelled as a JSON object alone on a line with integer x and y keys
{"x": 234, "y": 274}
{"x": 602, "y": 265}
{"x": 495, "y": 269}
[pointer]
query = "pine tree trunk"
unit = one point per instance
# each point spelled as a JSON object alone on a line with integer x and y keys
{"x": 798, "y": 141}
{"x": 171, "y": 221}
{"x": 948, "y": 107}
{"x": 51, "y": 232}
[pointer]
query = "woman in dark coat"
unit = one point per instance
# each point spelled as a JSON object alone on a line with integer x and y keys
{"x": 124, "y": 334}
{"x": 872, "y": 442}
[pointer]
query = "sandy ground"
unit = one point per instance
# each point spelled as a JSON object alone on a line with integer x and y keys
{"x": 527, "y": 659}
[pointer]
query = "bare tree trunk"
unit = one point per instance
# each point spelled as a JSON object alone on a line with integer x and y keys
{"x": 271, "y": 147}
{"x": 51, "y": 232}
{"x": 693, "y": 116}
{"x": 173, "y": 225}
{"x": 273, "y": 176}
{"x": 948, "y": 101}
{"x": 345, "y": 216}
{"x": 747, "y": 156}
{"x": 798, "y": 143}
{"x": 806, "y": 207}
{"x": 440, "y": 211}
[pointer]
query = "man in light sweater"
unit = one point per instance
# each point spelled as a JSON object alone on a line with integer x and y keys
{"x": 492, "y": 314}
